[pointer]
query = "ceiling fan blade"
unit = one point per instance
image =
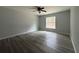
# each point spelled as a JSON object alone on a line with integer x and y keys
{"x": 42, "y": 7}
{"x": 44, "y": 10}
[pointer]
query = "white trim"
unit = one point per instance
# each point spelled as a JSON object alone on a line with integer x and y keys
{"x": 13, "y": 35}
{"x": 73, "y": 45}
{"x": 63, "y": 33}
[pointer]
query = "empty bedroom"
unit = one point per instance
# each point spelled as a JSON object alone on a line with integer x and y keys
{"x": 36, "y": 29}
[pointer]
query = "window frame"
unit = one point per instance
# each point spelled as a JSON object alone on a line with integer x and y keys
{"x": 53, "y": 22}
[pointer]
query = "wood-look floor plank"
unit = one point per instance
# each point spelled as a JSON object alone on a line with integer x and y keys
{"x": 37, "y": 42}
{"x": 30, "y": 45}
{"x": 41, "y": 47}
{"x": 23, "y": 46}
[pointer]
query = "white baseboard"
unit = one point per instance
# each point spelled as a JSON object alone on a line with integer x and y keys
{"x": 14, "y": 35}
{"x": 68, "y": 34}
{"x": 74, "y": 46}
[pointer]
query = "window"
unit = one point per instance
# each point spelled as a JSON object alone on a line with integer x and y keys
{"x": 51, "y": 22}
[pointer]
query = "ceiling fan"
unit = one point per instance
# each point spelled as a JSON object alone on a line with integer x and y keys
{"x": 40, "y": 9}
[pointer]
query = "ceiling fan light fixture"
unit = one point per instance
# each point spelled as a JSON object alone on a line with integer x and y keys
{"x": 40, "y": 9}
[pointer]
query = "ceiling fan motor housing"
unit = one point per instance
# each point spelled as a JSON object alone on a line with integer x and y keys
{"x": 40, "y": 9}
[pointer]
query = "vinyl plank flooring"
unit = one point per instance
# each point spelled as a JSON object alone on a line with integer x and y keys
{"x": 37, "y": 42}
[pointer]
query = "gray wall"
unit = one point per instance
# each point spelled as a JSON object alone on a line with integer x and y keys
{"x": 75, "y": 27}
{"x": 62, "y": 22}
{"x": 13, "y": 21}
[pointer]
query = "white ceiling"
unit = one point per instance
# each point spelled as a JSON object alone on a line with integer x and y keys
{"x": 49, "y": 9}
